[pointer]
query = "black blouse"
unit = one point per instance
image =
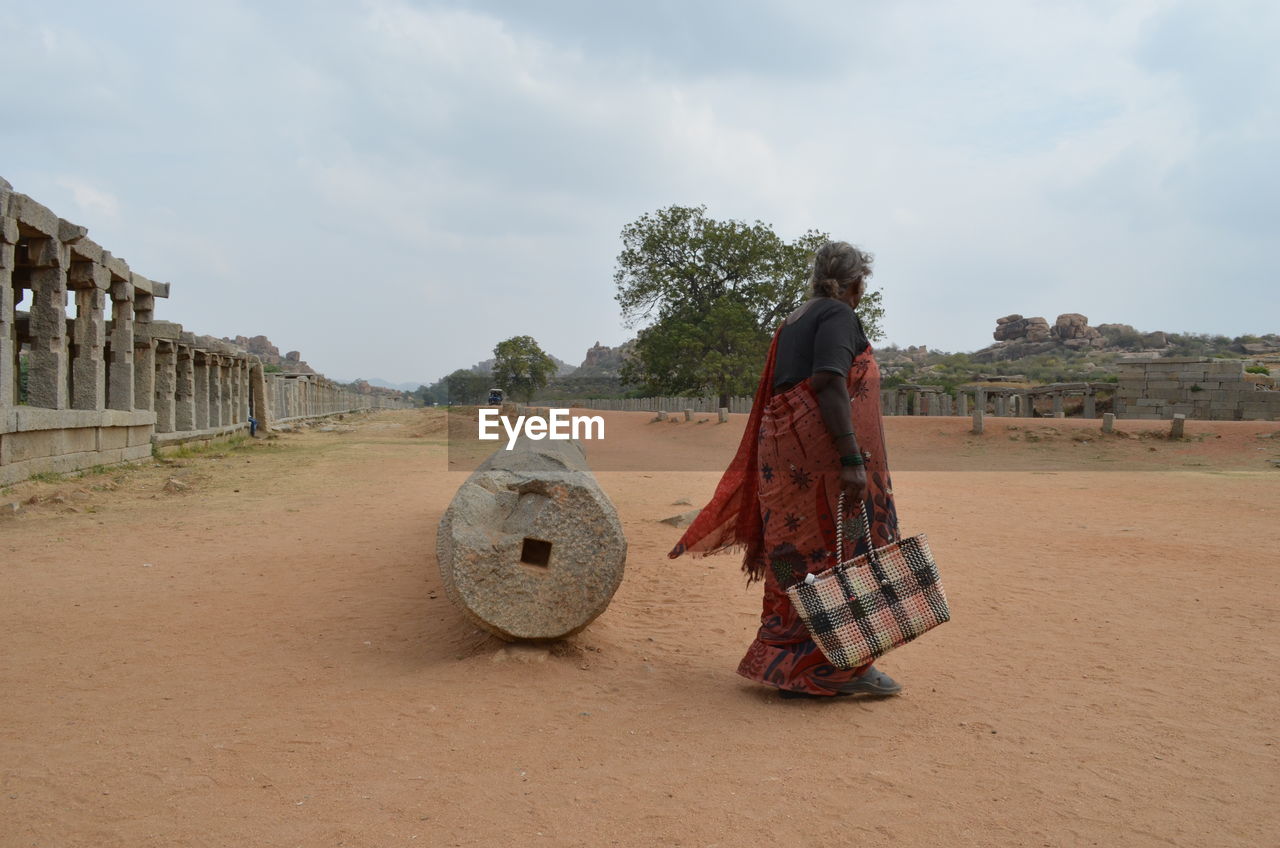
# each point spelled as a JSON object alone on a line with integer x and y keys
{"x": 825, "y": 338}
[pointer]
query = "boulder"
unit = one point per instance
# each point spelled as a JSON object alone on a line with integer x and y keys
{"x": 1010, "y": 330}
{"x": 1070, "y": 325}
{"x": 1037, "y": 330}
{"x": 684, "y": 519}
{"x": 531, "y": 547}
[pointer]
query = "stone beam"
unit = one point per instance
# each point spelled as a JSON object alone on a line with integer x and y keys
{"x": 34, "y": 216}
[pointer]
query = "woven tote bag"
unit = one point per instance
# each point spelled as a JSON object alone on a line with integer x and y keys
{"x": 861, "y": 609}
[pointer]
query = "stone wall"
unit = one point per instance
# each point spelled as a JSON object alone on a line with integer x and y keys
{"x": 1012, "y": 402}
{"x": 296, "y": 396}
{"x": 1197, "y": 387}
{"x": 660, "y": 404}
{"x": 107, "y": 382}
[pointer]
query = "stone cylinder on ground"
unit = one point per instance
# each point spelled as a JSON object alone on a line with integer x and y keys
{"x": 531, "y": 547}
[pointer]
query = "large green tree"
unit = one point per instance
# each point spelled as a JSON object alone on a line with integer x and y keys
{"x": 521, "y": 367}
{"x": 713, "y": 292}
{"x": 466, "y": 386}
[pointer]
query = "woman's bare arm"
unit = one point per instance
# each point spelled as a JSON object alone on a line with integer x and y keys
{"x": 833, "y": 402}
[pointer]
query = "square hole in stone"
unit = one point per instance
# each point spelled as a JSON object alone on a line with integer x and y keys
{"x": 535, "y": 552}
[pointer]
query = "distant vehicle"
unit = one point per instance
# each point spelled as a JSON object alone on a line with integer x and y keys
{"x": 495, "y": 397}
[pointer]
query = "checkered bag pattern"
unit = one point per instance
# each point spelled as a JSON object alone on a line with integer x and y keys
{"x": 863, "y": 608}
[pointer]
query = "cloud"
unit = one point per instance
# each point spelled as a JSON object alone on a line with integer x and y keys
{"x": 90, "y": 200}
{"x": 393, "y": 187}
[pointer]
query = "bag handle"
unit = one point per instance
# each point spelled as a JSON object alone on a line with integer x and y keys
{"x": 866, "y": 534}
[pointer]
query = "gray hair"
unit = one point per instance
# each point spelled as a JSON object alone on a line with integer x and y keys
{"x": 838, "y": 266}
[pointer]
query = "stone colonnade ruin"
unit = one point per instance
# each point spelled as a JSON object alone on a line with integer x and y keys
{"x": 1203, "y": 388}
{"x": 708, "y": 404}
{"x": 105, "y": 384}
{"x": 902, "y": 400}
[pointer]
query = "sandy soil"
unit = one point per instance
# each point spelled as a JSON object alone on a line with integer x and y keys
{"x": 262, "y": 655}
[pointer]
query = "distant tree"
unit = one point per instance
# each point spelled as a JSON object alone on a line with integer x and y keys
{"x": 714, "y": 291}
{"x": 520, "y": 367}
{"x": 721, "y": 349}
{"x": 466, "y": 386}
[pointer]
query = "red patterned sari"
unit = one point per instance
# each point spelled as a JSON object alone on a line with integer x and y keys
{"x": 777, "y": 501}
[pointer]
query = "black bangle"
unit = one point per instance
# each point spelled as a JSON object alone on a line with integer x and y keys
{"x": 853, "y": 459}
{"x": 841, "y": 436}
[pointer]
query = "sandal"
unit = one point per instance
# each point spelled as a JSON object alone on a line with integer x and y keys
{"x": 873, "y": 682}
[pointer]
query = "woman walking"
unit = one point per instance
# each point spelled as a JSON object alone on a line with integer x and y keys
{"x": 814, "y": 431}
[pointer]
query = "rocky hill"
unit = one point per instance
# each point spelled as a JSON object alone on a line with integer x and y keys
{"x": 603, "y": 361}
{"x": 1031, "y": 350}
{"x": 1017, "y": 337}
{"x": 261, "y": 347}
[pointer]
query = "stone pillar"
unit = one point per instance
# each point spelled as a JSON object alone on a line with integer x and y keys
{"x": 184, "y": 401}
{"x": 901, "y": 402}
{"x": 120, "y": 362}
{"x": 233, "y": 373}
{"x": 1028, "y": 409}
{"x": 237, "y": 392}
{"x": 688, "y": 415}
{"x": 88, "y": 371}
{"x": 1090, "y": 404}
{"x": 165, "y": 384}
{"x": 1000, "y": 406}
{"x": 977, "y": 419}
{"x": 1057, "y": 405}
{"x": 47, "y": 362}
{"x": 226, "y": 412}
{"x": 200, "y": 389}
{"x": 261, "y": 407}
{"x": 1108, "y": 422}
{"x": 962, "y": 403}
{"x": 8, "y": 354}
{"x": 1176, "y": 429}
{"x": 724, "y": 415}
{"x": 980, "y": 399}
{"x": 144, "y": 351}
{"x": 246, "y": 390}
{"x": 215, "y": 390}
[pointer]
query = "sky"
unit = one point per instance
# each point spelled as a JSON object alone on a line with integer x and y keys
{"x": 393, "y": 187}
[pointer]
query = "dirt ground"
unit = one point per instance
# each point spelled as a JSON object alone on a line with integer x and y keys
{"x": 259, "y": 653}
